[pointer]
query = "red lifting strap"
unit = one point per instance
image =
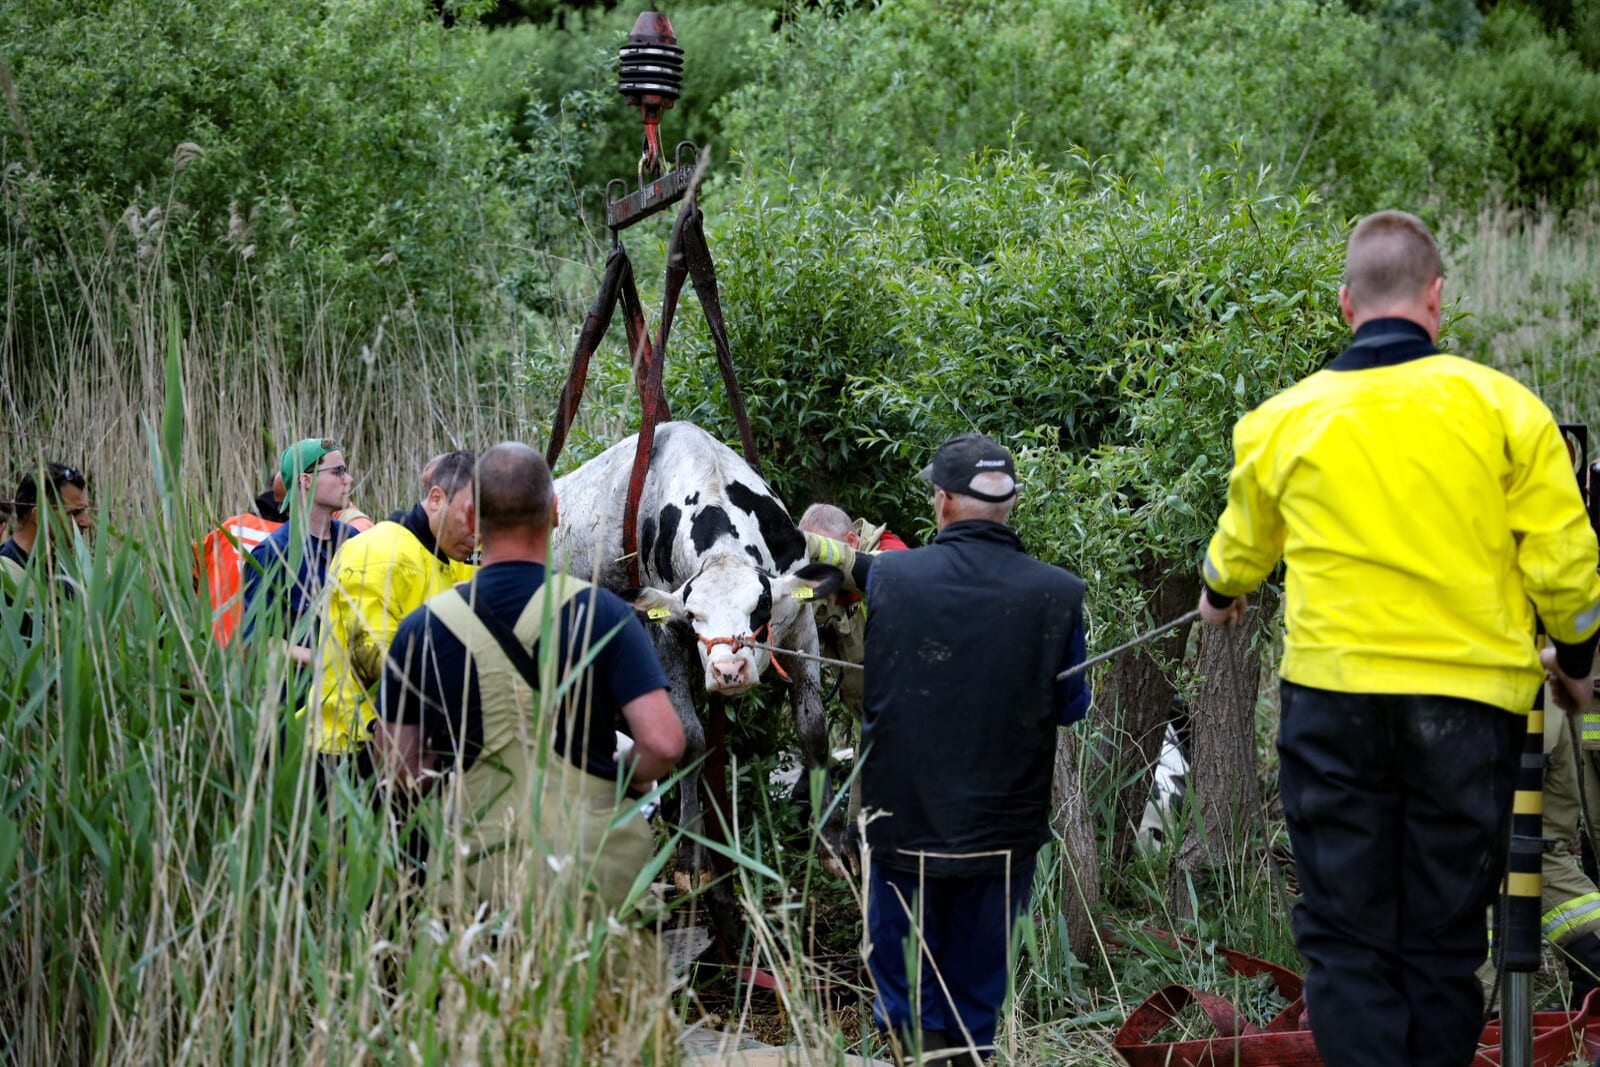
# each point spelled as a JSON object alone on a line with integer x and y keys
{"x": 688, "y": 258}
{"x": 1285, "y": 1039}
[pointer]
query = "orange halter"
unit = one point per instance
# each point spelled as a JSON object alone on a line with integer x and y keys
{"x": 750, "y": 640}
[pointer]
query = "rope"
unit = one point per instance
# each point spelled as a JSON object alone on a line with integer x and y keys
{"x": 1080, "y": 668}
{"x": 803, "y": 655}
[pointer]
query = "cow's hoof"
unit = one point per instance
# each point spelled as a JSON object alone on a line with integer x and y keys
{"x": 840, "y": 855}
{"x": 686, "y": 883}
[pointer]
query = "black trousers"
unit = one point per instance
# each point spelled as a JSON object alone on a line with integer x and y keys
{"x": 1399, "y": 812}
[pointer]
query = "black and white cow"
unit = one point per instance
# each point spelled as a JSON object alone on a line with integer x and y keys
{"x": 1168, "y": 787}
{"x": 719, "y": 558}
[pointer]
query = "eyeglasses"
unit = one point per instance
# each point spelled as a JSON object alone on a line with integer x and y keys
{"x": 338, "y": 470}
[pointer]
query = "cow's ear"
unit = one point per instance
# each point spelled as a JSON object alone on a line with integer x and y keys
{"x": 814, "y": 581}
{"x": 655, "y": 604}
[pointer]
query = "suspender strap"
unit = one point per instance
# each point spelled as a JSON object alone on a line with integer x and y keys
{"x": 509, "y": 641}
{"x": 472, "y": 622}
{"x": 500, "y": 654}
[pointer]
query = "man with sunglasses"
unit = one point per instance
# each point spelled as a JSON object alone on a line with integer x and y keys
{"x": 318, "y": 485}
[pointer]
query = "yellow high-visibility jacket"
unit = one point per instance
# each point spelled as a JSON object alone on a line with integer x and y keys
{"x": 1419, "y": 507}
{"x": 376, "y": 580}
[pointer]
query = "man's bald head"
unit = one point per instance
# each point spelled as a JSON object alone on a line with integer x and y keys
{"x": 1391, "y": 259}
{"x": 515, "y": 490}
{"x": 826, "y": 520}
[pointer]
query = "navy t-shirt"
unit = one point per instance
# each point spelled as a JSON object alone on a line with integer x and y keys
{"x": 430, "y": 680}
{"x": 266, "y": 580}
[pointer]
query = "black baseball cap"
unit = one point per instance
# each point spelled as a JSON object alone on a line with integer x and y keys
{"x": 963, "y": 458}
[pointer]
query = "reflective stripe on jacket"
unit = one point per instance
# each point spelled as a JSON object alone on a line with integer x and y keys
{"x": 1420, "y": 506}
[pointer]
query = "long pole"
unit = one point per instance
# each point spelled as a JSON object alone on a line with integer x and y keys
{"x": 1518, "y": 939}
{"x": 1141, "y": 639}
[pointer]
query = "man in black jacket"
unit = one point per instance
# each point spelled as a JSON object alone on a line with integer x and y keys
{"x": 965, "y": 638}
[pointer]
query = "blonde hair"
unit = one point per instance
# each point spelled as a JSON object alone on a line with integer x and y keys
{"x": 1391, "y": 257}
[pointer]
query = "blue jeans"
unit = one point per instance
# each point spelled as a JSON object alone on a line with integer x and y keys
{"x": 963, "y": 968}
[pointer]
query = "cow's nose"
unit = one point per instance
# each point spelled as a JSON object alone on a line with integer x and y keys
{"x": 731, "y": 672}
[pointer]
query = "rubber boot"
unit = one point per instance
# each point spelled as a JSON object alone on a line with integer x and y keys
{"x": 1583, "y": 968}
{"x": 904, "y": 1048}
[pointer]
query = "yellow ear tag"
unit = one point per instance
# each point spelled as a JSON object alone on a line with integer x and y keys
{"x": 658, "y": 614}
{"x": 805, "y": 592}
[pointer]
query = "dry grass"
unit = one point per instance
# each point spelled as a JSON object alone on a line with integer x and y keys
{"x": 1529, "y": 286}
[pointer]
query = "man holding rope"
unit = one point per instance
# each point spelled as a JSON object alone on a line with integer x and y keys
{"x": 965, "y": 639}
{"x": 1426, "y": 509}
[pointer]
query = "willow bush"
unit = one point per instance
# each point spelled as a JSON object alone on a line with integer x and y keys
{"x": 1327, "y": 98}
{"x": 1110, "y": 330}
{"x": 336, "y": 161}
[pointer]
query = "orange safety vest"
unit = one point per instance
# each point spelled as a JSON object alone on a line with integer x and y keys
{"x": 354, "y": 517}
{"x": 220, "y": 559}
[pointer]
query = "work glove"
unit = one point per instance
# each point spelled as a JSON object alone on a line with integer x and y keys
{"x": 821, "y": 549}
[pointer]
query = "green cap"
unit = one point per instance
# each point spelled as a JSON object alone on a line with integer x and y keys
{"x": 299, "y": 458}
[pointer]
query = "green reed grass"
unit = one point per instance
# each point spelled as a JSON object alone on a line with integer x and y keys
{"x": 173, "y": 890}
{"x": 176, "y": 892}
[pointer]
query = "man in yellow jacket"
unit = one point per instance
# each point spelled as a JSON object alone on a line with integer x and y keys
{"x": 1426, "y": 509}
{"x": 376, "y": 580}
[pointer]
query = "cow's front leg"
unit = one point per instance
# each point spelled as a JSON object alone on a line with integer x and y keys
{"x": 811, "y": 726}
{"x": 680, "y": 664}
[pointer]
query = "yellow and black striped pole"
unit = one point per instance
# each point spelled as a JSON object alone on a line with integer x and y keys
{"x": 1518, "y": 937}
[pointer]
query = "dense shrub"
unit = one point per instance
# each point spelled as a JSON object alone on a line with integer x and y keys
{"x": 1111, "y": 331}
{"x": 1541, "y": 108}
{"x": 868, "y": 97}
{"x": 327, "y": 156}
{"x": 1325, "y": 99}
{"x": 1318, "y": 94}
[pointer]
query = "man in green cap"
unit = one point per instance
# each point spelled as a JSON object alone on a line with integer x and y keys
{"x": 317, "y": 484}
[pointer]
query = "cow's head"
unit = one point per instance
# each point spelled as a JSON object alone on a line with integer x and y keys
{"x": 732, "y": 598}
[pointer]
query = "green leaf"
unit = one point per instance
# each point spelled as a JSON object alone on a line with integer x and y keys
{"x": 172, "y": 411}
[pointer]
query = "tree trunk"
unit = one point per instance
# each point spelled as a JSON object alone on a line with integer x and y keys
{"x": 1135, "y": 699}
{"x": 1223, "y": 783}
{"x": 1080, "y": 860}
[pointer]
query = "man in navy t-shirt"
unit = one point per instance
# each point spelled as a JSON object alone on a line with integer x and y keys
{"x": 550, "y": 742}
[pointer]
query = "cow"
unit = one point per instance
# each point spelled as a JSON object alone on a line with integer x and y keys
{"x": 1168, "y": 789}
{"x": 719, "y": 560}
